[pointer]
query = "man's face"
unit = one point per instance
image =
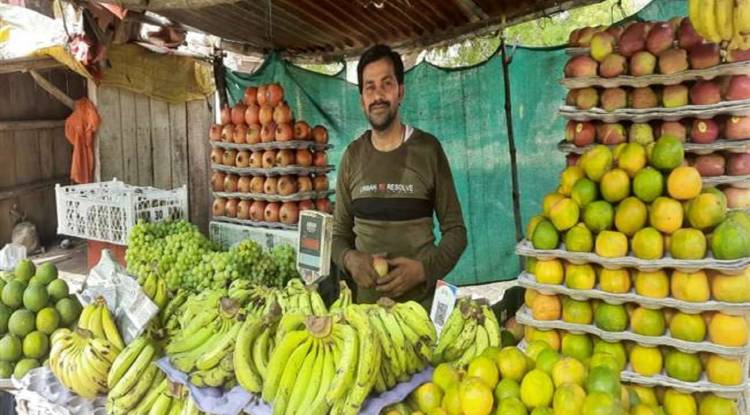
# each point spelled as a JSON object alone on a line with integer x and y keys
{"x": 381, "y": 93}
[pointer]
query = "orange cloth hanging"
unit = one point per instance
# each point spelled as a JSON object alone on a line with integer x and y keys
{"x": 80, "y": 128}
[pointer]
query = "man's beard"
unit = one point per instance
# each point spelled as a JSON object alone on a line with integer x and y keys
{"x": 383, "y": 120}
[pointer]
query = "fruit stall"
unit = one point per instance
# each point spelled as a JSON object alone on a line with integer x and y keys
{"x": 636, "y": 257}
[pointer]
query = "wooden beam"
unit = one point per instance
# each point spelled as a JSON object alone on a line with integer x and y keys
{"x": 30, "y": 125}
{"x": 25, "y": 64}
{"x": 166, "y": 4}
{"x": 22, "y": 189}
{"x": 53, "y": 90}
{"x": 471, "y": 10}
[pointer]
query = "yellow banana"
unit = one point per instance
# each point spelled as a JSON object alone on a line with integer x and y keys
{"x": 260, "y": 352}
{"x": 742, "y": 17}
{"x": 370, "y": 355}
{"x": 225, "y": 345}
{"x": 396, "y": 335}
{"x": 95, "y": 323}
{"x": 149, "y": 286}
{"x": 316, "y": 377}
{"x": 725, "y": 19}
{"x": 243, "y": 362}
{"x": 161, "y": 295}
{"x": 279, "y": 360}
{"x": 110, "y": 329}
{"x": 380, "y": 385}
{"x": 388, "y": 345}
{"x": 304, "y": 377}
{"x": 319, "y": 405}
{"x": 417, "y": 318}
{"x": 161, "y": 405}
{"x": 346, "y": 365}
{"x": 317, "y": 304}
{"x": 709, "y": 23}
{"x": 288, "y": 377}
{"x": 88, "y": 312}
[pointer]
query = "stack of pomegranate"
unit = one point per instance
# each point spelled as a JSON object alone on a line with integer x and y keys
{"x": 259, "y": 135}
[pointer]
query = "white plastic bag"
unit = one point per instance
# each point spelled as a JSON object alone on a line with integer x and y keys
{"x": 10, "y": 255}
{"x": 125, "y": 298}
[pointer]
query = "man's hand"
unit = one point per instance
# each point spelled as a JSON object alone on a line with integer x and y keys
{"x": 359, "y": 265}
{"x": 405, "y": 274}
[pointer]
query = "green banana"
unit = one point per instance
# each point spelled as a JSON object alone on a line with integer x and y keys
{"x": 131, "y": 398}
{"x": 162, "y": 405}
{"x": 153, "y": 394}
{"x": 189, "y": 340}
{"x": 279, "y": 360}
{"x": 134, "y": 372}
{"x": 214, "y": 355}
{"x": 469, "y": 354}
{"x": 492, "y": 326}
{"x": 482, "y": 341}
{"x": 451, "y": 330}
{"x": 457, "y": 348}
{"x": 317, "y": 304}
{"x": 417, "y": 318}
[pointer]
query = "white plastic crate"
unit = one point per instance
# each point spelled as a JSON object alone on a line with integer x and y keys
{"x": 106, "y": 211}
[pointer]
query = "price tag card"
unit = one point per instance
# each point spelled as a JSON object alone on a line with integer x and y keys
{"x": 314, "y": 250}
{"x": 443, "y": 303}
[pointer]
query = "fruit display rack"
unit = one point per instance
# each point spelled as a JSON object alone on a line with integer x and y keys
{"x": 266, "y": 166}
{"x": 715, "y": 131}
{"x": 726, "y": 69}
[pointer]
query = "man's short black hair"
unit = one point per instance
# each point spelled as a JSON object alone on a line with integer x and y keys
{"x": 377, "y": 53}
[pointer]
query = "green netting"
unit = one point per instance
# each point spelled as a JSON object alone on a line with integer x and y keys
{"x": 464, "y": 108}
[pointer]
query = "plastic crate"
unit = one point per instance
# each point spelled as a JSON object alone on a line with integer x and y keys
{"x": 106, "y": 211}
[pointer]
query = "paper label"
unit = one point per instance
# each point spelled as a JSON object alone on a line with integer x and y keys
{"x": 443, "y": 303}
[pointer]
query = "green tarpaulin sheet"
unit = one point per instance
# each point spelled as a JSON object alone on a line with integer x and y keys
{"x": 464, "y": 108}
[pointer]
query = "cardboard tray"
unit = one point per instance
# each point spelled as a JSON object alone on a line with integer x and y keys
{"x": 524, "y": 317}
{"x": 273, "y": 145}
{"x": 725, "y": 69}
{"x": 728, "y": 267}
{"x": 274, "y": 198}
{"x": 275, "y": 171}
{"x": 740, "y": 108}
{"x": 731, "y": 146}
{"x": 702, "y": 385}
{"x": 272, "y": 225}
{"x": 528, "y": 280}
{"x": 737, "y": 181}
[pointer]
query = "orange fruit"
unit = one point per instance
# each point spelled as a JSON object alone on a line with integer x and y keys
{"x": 476, "y": 398}
{"x": 546, "y": 307}
{"x": 728, "y": 330}
{"x": 691, "y": 287}
{"x": 684, "y": 183}
{"x": 654, "y": 284}
{"x": 614, "y": 280}
{"x": 724, "y": 371}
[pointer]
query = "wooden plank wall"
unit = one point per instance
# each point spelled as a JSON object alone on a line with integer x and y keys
{"x": 31, "y": 156}
{"x": 147, "y": 142}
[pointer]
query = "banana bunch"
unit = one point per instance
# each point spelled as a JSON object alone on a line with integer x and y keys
{"x": 169, "y": 316}
{"x": 204, "y": 348}
{"x": 132, "y": 375}
{"x": 329, "y": 364}
{"x": 253, "y": 349}
{"x": 344, "y": 299}
{"x": 155, "y": 288}
{"x": 300, "y": 299}
{"x": 97, "y": 319}
{"x": 406, "y": 335}
{"x": 81, "y": 361}
{"x": 257, "y": 300}
{"x": 166, "y": 398}
{"x": 722, "y": 20}
{"x": 470, "y": 328}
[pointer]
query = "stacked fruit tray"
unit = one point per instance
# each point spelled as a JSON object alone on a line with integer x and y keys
{"x": 267, "y": 167}
{"x": 645, "y": 80}
{"x": 631, "y": 255}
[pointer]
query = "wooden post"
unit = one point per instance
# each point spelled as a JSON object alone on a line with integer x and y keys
{"x": 53, "y": 90}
